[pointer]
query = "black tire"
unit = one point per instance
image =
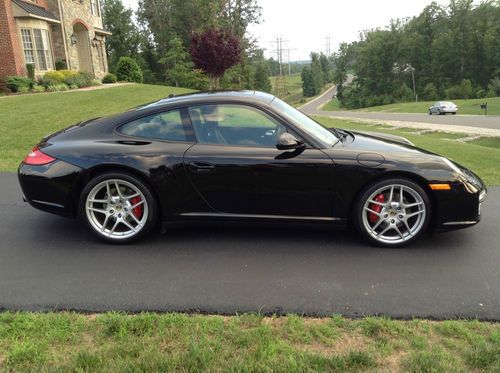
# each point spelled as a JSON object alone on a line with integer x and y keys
{"x": 454, "y": 113}
{"x": 439, "y": 112}
{"x": 372, "y": 188}
{"x": 430, "y": 112}
{"x": 151, "y": 205}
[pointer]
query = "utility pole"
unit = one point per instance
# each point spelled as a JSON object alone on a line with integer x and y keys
{"x": 328, "y": 50}
{"x": 279, "y": 87}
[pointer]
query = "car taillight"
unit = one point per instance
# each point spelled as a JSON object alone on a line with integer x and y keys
{"x": 37, "y": 157}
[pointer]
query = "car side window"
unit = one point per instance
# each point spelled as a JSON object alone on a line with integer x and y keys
{"x": 236, "y": 125}
{"x": 161, "y": 126}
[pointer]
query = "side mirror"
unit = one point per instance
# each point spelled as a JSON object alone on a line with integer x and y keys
{"x": 287, "y": 141}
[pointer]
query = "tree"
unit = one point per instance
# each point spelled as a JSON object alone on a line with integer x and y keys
{"x": 308, "y": 86}
{"x": 125, "y": 39}
{"x": 261, "y": 77}
{"x": 214, "y": 51}
{"x": 127, "y": 70}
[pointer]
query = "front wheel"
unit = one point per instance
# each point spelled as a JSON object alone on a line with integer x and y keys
{"x": 118, "y": 207}
{"x": 392, "y": 212}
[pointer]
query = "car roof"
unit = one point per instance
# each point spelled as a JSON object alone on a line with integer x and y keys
{"x": 211, "y": 96}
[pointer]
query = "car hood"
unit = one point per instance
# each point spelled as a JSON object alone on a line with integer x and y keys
{"x": 385, "y": 136}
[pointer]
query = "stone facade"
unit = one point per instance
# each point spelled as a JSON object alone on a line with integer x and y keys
{"x": 72, "y": 31}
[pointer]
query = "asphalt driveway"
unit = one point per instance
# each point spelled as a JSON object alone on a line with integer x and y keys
{"x": 48, "y": 262}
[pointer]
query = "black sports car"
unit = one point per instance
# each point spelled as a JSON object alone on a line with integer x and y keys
{"x": 243, "y": 155}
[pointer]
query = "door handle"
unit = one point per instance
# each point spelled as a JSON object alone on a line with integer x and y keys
{"x": 201, "y": 168}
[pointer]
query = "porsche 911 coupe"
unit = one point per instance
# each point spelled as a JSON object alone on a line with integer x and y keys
{"x": 244, "y": 156}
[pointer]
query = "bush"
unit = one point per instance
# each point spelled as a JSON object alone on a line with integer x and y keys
{"x": 109, "y": 79}
{"x": 23, "y": 89}
{"x": 61, "y": 65}
{"x": 128, "y": 70}
{"x": 19, "y": 83}
{"x": 54, "y": 76}
{"x": 404, "y": 93}
{"x": 38, "y": 88}
{"x": 494, "y": 87}
{"x": 481, "y": 93}
{"x": 30, "y": 68}
{"x": 57, "y": 88}
{"x": 79, "y": 79}
{"x": 95, "y": 82}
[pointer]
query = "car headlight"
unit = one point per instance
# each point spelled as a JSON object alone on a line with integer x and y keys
{"x": 464, "y": 175}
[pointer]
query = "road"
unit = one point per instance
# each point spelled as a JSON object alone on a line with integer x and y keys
{"x": 479, "y": 121}
{"x": 51, "y": 263}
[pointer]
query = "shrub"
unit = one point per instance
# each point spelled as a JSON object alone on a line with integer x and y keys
{"x": 109, "y": 79}
{"x": 494, "y": 87}
{"x": 80, "y": 79}
{"x": 18, "y": 83}
{"x": 95, "y": 82}
{"x": 128, "y": 70}
{"x": 404, "y": 93}
{"x": 30, "y": 68}
{"x": 61, "y": 65}
{"x": 73, "y": 86}
{"x": 38, "y": 88}
{"x": 481, "y": 93}
{"x": 54, "y": 76}
{"x": 23, "y": 89}
{"x": 57, "y": 88}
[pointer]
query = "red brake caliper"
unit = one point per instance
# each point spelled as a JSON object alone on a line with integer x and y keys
{"x": 137, "y": 211}
{"x": 371, "y": 216}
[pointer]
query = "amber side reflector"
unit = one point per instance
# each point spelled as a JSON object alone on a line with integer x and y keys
{"x": 440, "y": 186}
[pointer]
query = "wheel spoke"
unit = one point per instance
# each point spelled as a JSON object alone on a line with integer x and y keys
{"x": 391, "y": 194}
{"x": 376, "y": 203}
{"x": 380, "y": 221}
{"x": 101, "y": 211}
{"x": 105, "y": 223}
{"x": 399, "y": 232}
{"x": 413, "y": 205}
{"x": 124, "y": 221}
{"x": 415, "y": 214}
{"x": 108, "y": 190}
{"x": 114, "y": 227}
{"x": 401, "y": 195}
{"x": 118, "y": 191}
{"x": 136, "y": 220}
{"x": 98, "y": 200}
{"x": 407, "y": 227}
{"x": 137, "y": 204}
{"x": 385, "y": 230}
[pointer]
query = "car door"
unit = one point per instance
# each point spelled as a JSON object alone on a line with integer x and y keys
{"x": 237, "y": 169}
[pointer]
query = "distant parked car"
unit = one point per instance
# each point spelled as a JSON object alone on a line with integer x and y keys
{"x": 443, "y": 107}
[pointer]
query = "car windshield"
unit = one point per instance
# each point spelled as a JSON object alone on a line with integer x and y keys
{"x": 306, "y": 124}
{"x": 448, "y": 103}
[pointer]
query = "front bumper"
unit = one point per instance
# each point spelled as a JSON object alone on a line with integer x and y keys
{"x": 460, "y": 207}
{"x": 52, "y": 187}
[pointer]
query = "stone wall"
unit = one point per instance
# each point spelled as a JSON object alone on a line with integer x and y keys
{"x": 77, "y": 13}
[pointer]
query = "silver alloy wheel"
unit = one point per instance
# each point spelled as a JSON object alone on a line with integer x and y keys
{"x": 116, "y": 209}
{"x": 397, "y": 216}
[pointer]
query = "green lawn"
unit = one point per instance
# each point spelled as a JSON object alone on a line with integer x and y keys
{"x": 482, "y": 155}
{"x": 172, "y": 342}
{"x": 25, "y": 119}
{"x": 464, "y": 106}
{"x": 293, "y": 85}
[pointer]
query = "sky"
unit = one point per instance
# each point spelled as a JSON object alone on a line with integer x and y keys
{"x": 305, "y": 25}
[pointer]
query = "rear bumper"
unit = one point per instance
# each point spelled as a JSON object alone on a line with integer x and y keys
{"x": 52, "y": 187}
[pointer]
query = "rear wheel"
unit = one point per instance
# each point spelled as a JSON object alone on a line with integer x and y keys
{"x": 118, "y": 207}
{"x": 430, "y": 112}
{"x": 393, "y": 212}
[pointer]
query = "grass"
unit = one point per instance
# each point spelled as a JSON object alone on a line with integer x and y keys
{"x": 246, "y": 343}
{"x": 25, "y": 119}
{"x": 482, "y": 155}
{"x": 293, "y": 86}
{"x": 470, "y": 106}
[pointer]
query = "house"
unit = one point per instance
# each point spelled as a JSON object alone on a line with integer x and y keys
{"x": 43, "y": 32}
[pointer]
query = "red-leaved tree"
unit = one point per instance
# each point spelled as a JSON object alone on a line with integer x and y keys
{"x": 214, "y": 51}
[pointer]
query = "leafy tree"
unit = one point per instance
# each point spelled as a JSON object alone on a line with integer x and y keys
{"x": 308, "y": 85}
{"x": 214, "y": 51}
{"x": 125, "y": 39}
{"x": 261, "y": 77}
{"x": 430, "y": 92}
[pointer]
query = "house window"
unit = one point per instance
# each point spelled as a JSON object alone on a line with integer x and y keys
{"x": 27, "y": 38}
{"x": 94, "y": 7}
{"x": 36, "y": 45}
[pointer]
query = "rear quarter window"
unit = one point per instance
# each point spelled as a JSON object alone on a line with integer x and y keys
{"x": 161, "y": 126}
